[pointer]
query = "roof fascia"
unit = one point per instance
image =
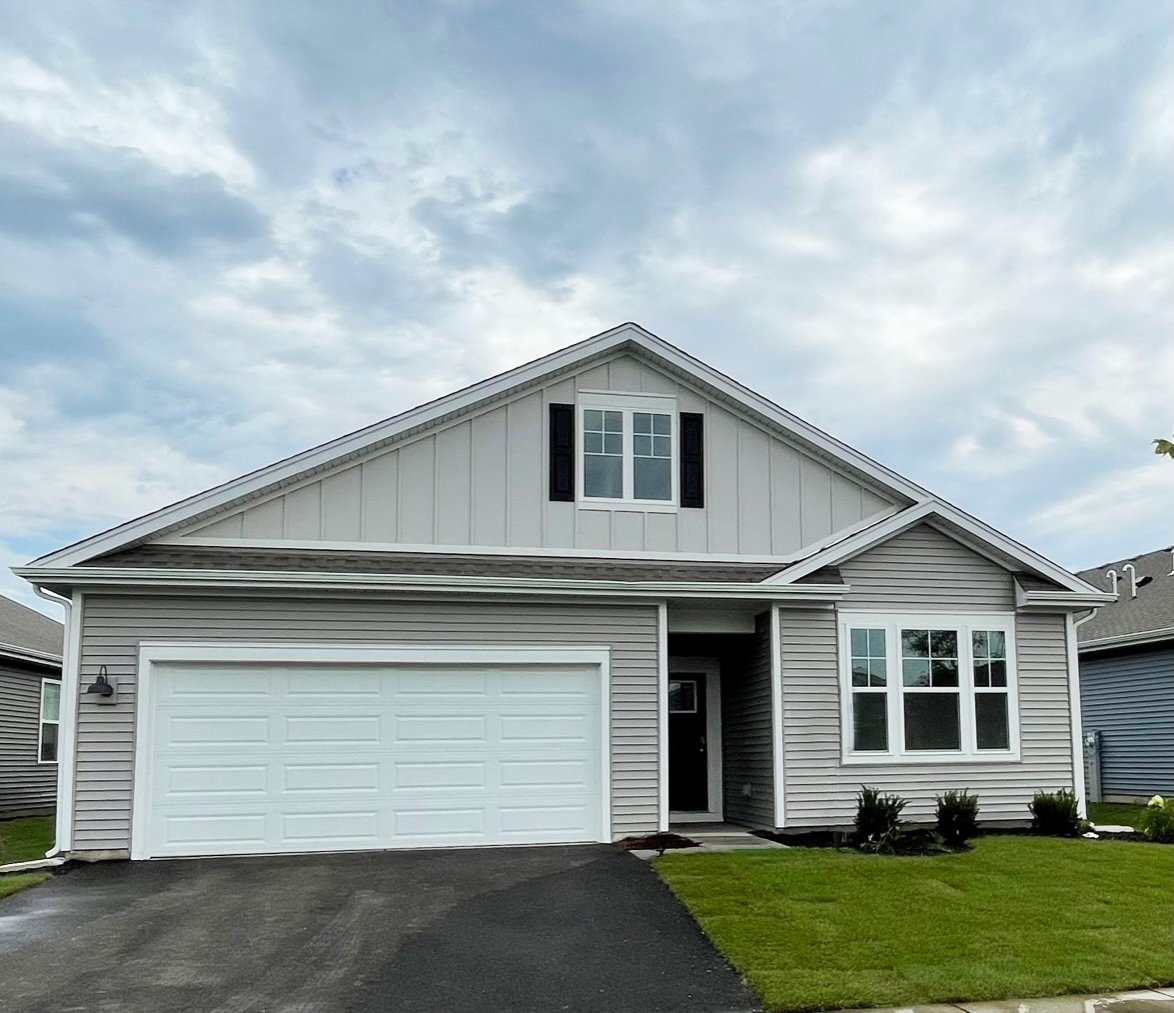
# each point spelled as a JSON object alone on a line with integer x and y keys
{"x": 984, "y": 536}
{"x": 625, "y": 335}
{"x": 130, "y": 579}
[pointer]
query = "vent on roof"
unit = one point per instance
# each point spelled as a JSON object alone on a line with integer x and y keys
{"x": 1112, "y": 577}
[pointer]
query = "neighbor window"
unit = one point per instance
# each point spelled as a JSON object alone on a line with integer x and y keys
{"x": 930, "y": 687}
{"x": 50, "y": 718}
{"x": 629, "y": 449}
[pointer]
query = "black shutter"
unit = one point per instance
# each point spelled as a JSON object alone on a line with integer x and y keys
{"x": 692, "y": 459}
{"x": 562, "y": 452}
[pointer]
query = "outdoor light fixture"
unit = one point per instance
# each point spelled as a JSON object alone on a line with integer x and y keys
{"x": 102, "y": 688}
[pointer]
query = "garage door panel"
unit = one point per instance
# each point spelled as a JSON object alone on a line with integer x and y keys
{"x": 265, "y": 760}
{"x": 194, "y": 731}
{"x": 331, "y": 826}
{"x": 330, "y": 777}
{"x": 343, "y": 729}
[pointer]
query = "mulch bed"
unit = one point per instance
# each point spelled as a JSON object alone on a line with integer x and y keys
{"x": 658, "y": 842}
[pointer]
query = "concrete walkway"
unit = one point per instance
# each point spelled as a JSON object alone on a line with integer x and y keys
{"x": 1159, "y": 1000}
{"x": 717, "y": 837}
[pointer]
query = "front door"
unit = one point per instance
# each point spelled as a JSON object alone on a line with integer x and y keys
{"x": 688, "y": 756}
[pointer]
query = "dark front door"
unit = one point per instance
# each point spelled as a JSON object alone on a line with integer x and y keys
{"x": 688, "y": 760}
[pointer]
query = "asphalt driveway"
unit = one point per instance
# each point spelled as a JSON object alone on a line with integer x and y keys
{"x": 484, "y": 931}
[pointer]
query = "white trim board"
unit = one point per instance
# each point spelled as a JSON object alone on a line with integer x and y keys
{"x": 126, "y": 580}
{"x": 628, "y": 335}
{"x": 152, "y": 653}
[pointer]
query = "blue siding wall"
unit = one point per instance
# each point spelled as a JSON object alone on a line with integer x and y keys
{"x": 1129, "y": 699}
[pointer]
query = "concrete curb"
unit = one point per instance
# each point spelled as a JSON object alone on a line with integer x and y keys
{"x": 41, "y": 863}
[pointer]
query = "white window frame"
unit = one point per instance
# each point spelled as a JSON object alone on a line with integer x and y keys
{"x": 965, "y": 624}
{"x": 627, "y": 404}
{"x": 41, "y": 722}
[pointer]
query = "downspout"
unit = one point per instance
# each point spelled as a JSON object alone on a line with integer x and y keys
{"x": 67, "y": 730}
{"x": 1078, "y": 785}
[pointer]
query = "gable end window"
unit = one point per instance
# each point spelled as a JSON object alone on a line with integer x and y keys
{"x": 928, "y": 687}
{"x": 628, "y": 450}
{"x": 50, "y": 721}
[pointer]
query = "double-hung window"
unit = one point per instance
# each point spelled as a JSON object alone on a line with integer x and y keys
{"x": 930, "y": 687}
{"x": 629, "y": 450}
{"x": 50, "y": 719}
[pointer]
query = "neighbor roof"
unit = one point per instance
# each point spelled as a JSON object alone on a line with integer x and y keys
{"x": 1148, "y": 617}
{"x": 27, "y": 630}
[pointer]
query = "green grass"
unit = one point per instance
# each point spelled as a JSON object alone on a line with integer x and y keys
{"x": 1115, "y": 813}
{"x": 1016, "y": 917}
{"x": 21, "y": 881}
{"x": 25, "y": 840}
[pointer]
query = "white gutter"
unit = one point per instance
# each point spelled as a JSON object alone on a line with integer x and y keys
{"x": 67, "y": 718}
{"x": 1126, "y": 639}
{"x": 18, "y": 653}
{"x": 1062, "y": 599}
{"x": 124, "y": 579}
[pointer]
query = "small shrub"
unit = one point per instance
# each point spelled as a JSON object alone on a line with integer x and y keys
{"x": 878, "y": 820}
{"x": 957, "y": 814}
{"x": 1055, "y": 814}
{"x": 1157, "y": 820}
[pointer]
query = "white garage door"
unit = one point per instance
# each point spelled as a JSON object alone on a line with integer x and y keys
{"x": 248, "y": 758}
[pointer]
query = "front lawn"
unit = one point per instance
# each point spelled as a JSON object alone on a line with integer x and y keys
{"x": 25, "y": 840}
{"x": 21, "y": 881}
{"x": 817, "y": 929}
{"x": 1115, "y": 813}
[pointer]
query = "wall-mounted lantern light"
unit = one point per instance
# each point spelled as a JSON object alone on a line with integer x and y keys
{"x": 102, "y": 688}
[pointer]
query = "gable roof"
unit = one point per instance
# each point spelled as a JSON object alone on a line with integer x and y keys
{"x": 628, "y": 336}
{"x": 24, "y": 631}
{"x": 958, "y": 525}
{"x": 1147, "y": 618}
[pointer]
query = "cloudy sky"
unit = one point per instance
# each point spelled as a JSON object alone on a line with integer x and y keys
{"x": 942, "y": 231}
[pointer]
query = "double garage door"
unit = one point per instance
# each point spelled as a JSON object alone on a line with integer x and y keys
{"x": 255, "y": 756}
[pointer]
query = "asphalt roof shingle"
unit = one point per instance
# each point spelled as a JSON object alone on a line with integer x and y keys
{"x": 1152, "y": 609}
{"x": 22, "y": 627}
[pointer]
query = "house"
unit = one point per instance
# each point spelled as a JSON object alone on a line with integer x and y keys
{"x": 1127, "y": 677}
{"x": 605, "y": 592}
{"x": 30, "y": 696}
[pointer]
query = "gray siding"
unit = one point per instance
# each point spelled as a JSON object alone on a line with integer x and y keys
{"x": 26, "y": 786}
{"x": 1129, "y": 699}
{"x": 747, "y": 748}
{"x": 925, "y": 569}
{"x": 820, "y": 790}
{"x": 114, "y": 625}
{"x": 481, "y": 480}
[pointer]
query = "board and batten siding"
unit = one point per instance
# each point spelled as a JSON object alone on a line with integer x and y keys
{"x": 114, "y": 625}
{"x": 920, "y": 570}
{"x": 747, "y": 749}
{"x": 27, "y": 788}
{"x": 481, "y": 480}
{"x": 1129, "y": 698}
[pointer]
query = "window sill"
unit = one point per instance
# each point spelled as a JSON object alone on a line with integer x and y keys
{"x": 639, "y": 506}
{"x": 925, "y": 759}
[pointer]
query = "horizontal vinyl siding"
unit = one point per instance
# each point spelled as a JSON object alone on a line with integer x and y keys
{"x": 114, "y": 626}
{"x": 821, "y": 790}
{"x": 26, "y": 786}
{"x": 1129, "y": 699}
{"x": 924, "y": 569}
{"x": 747, "y": 750}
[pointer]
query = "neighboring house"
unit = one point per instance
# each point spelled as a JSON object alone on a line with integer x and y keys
{"x": 599, "y": 594}
{"x": 1127, "y": 676}
{"x": 30, "y": 696}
